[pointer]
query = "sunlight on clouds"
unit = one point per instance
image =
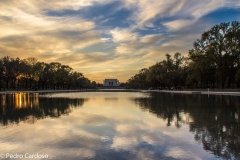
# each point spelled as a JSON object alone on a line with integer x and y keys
{"x": 173, "y": 44}
{"x": 196, "y": 9}
{"x": 69, "y": 32}
{"x": 126, "y": 48}
{"x": 8, "y": 31}
{"x": 152, "y": 39}
{"x": 123, "y": 35}
{"x": 39, "y": 23}
{"x": 202, "y": 9}
{"x": 178, "y": 24}
{"x": 179, "y": 41}
{"x": 142, "y": 45}
{"x": 51, "y": 43}
{"x": 147, "y": 11}
{"x": 68, "y": 4}
{"x": 118, "y": 66}
{"x": 106, "y": 39}
{"x": 45, "y": 37}
{"x": 81, "y": 25}
{"x": 105, "y": 72}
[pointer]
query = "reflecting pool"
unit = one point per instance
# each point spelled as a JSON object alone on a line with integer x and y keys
{"x": 119, "y": 125}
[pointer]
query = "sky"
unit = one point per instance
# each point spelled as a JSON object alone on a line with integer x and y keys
{"x": 107, "y": 38}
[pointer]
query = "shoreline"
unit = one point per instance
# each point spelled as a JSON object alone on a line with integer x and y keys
{"x": 137, "y": 90}
{"x": 201, "y": 92}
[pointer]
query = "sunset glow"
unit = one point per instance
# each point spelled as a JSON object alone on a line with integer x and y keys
{"x": 107, "y": 38}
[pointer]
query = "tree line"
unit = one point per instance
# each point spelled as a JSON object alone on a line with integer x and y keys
{"x": 29, "y": 73}
{"x": 213, "y": 62}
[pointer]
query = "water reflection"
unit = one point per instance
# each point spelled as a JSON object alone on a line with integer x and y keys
{"x": 28, "y": 108}
{"x": 121, "y": 125}
{"x": 19, "y": 100}
{"x": 212, "y": 119}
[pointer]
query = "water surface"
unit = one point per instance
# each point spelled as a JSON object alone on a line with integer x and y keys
{"x": 120, "y": 125}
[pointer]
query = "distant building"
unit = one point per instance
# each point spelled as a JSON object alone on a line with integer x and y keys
{"x": 111, "y": 83}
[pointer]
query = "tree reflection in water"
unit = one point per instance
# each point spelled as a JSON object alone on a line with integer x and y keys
{"x": 29, "y": 108}
{"x": 214, "y": 120}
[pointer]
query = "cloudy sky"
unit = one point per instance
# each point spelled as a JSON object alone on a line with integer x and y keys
{"x": 107, "y": 38}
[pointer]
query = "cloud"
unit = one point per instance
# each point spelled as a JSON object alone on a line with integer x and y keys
{"x": 49, "y": 44}
{"x": 146, "y": 12}
{"x": 109, "y": 68}
{"x": 28, "y": 24}
{"x": 106, "y": 20}
{"x": 152, "y": 39}
{"x": 57, "y": 5}
{"x": 106, "y": 39}
{"x": 32, "y": 33}
{"x": 140, "y": 45}
{"x": 126, "y": 48}
{"x": 178, "y": 24}
{"x": 59, "y": 30}
{"x": 123, "y": 35}
{"x": 44, "y": 37}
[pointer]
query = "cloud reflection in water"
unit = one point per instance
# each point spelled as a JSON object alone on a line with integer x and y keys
{"x": 96, "y": 125}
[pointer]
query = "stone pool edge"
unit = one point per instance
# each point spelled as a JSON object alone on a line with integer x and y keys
{"x": 116, "y": 90}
